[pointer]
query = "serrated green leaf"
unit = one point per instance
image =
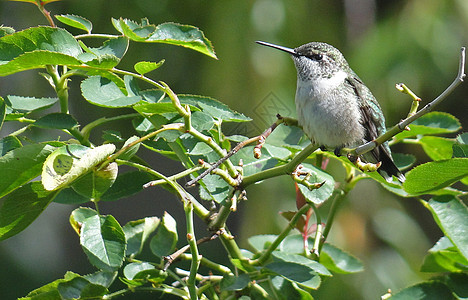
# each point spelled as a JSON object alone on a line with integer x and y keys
{"x": 4, "y": 30}
{"x": 132, "y": 30}
{"x": 22, "y": 207}
{"x": 142, "y": 272}
{"x": 337, "y": 260}
{"x": 56, "y": 121}
{"x": 234, "y": 283}
{"x": 133, "y": 269}
{"x": 75, "y": 21}
{"x": 21, "y": 165}
{"x": 299, "y": 259}
{"x": 403, "y": 161}
{"x": 49, "y": 291}
{"x": 460, "y": 148}
{"x": 444, "y": 257}
{"x": 432, "y": 123}
{"x": 435, "y": 175}
{"x": 80, "y": 288}
{"x": 143, "y": 67}
{"x": 451, "y": 215}
{"x": 130, "y": 152}
{"x": 164, "y": 242}
{"x": 437, "y": 148}
{"x": 286, "y": 289}
{"x": 430, "y": 290}
{"x": 104, "y": 92}
{"x": 27, "y": 104}
{"x": 95, "y": 183}
{"x": 103, "y": 241}
{"x": 126, "y": 184}
{"x": 70, "y": 196}
{"x": 214, "y": 188}
{"x": 261, "y": 242}
{"x": 137, "y": 232}
{"x": 103, "y": 278}
{"x": 214, "y": 108}
{"x": 302, "y": 275}
{"x": 61, "y": 168}
{"x": 79, "y": 215}
{"x": 9, "y": 143}
{"x": 37, "y": 47}
{"x": 320, "y": 195}
{"x": 182, "y": 35}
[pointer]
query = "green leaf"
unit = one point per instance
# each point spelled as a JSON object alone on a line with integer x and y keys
{"x": 336, "y": 260}
{"x": 143, "y": 67}
{"x": 95, "y": 183}
{"x": 27, "y": 104}
{"x": 79, "y": 215}
{"x": 286, "y": 290}
{"x": 103, "y": 241}
{"x": 300, "y": 274}
{"x": 261, "y": 242}
{"x": 403, "y": 161}
{"x": 22, "y": 207}
{"x": 101, "y": 91}
{"x": 320, "y": 195}
{"x": 299, "y": 259}
{"x": 62, "y": 168}
{"x": 451, "y": 215}
{"x": 49, "y": 291}
{"x": 431, "y": 123}
{"x": 444, "y": 257}
{"x": 6, "y": 30}
{"x": 21, "y": 165}
{"x": 106, "y": 56}
{"x": 140, "y": 273}
{"x": 431, "y": 290}
{"x": 9, "y": 143}
{"x": 214, "y": 188}
{"x": 137, "y": 232}
{"x": 130, "y": 152}
{"x": 126, "y": 184}
{"x": 169, "y": 33}
{"x": 214, "y": 108}
{"x": 460, "y": 148}
{"x": 234, "y": 283}
{"x": 435, "y": 175}
{"x": 182, "y": 35}
{"x": 437, "y": 148}
{"x": 133, "y": 269}
{"x": 103, "y": 278}
{"x": 69, "y": 196}
{"x": 56, "y": 121}
{"x": 75, "y": 21}
{"x": 80, "y": 288}
{"x": 164, "y": 242}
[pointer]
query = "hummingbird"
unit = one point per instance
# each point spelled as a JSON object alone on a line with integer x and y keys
{"x": 334, "y": 107}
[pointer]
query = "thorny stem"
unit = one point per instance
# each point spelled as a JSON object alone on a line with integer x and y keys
{"x": 191, "y": 282}
{"x": 45, "y": 12}
{"x": 402, "y": 125}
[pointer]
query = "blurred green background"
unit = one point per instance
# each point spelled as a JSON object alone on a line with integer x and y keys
{"x": 386, "y": 42}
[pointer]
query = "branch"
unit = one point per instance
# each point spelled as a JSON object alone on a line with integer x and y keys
{"x": 402, "y": 125}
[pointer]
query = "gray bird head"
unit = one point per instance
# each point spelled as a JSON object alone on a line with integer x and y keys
{"x": 315, "y": 60}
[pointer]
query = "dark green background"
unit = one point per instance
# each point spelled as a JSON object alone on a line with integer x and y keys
{"x": 386, "y": 42}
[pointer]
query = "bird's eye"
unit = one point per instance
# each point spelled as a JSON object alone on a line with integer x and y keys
{"x": 317, "y": 56}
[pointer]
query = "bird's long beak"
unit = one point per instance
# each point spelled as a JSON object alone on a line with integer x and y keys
{"x": 285, "y": 49}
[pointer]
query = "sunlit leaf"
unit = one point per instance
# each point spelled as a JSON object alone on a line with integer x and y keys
{"x": 337, "y": 260}
{"x": 61, "y": 168}
{"x": 137, "y": 232}
{"x": 104, "y": 92}
{"x": 451, "y": 214}
{"x": 435, "y": 175}
{"x": 103, "y": 241}
{"x": 143, "y": 67}
{"x": 76, "y": 21}
{"x": 432, "y": 123}
{"x": 22, "y": 207}
{"x": 29, "y": 103}
{"x": 21, "y": 165}
{"x": 164, "y": 242}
